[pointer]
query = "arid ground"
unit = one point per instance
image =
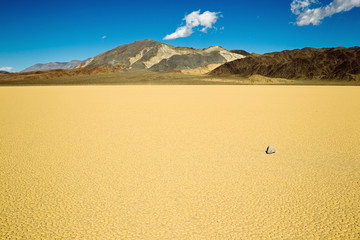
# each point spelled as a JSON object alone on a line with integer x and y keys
{"x": 179, "y": 162}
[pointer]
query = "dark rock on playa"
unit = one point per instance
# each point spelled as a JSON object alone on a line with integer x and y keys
{"x": 270, "y": 149}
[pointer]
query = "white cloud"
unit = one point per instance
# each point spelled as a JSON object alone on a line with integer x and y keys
{"x": 297, "y": 6}
{"x": 103, "y": 37}
{"x": 8, "y": 69}
{"x": 194, "y": 19}
{"x": 307, "y": 15}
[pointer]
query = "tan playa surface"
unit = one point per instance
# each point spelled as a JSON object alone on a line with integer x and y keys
{"x": 179, "y": 162}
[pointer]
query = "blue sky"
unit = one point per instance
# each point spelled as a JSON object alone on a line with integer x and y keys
{"x": 46, "y": 31}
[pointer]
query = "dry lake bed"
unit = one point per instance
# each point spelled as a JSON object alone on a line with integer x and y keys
{"x": 179, "y": 162}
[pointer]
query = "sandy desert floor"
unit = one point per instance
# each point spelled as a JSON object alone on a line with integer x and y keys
{"x": 179, "y": 162}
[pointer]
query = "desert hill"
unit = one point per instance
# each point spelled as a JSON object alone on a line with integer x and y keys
{"x": 160, "y": 57}
{"x": 52, "y": 66}
{"x": 307, "y": 63}
{"x": 4, "y": 72}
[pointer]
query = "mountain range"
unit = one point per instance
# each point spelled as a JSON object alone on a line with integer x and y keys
{"x": 308, "y": 63}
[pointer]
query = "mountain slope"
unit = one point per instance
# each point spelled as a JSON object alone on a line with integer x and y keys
{"x": 157, "y": 56}
{"x": 242, "y": 52}
{"x": 196, "y": 59}
{"x": 308, "y": 63}
{"x": 53, "y": 65}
